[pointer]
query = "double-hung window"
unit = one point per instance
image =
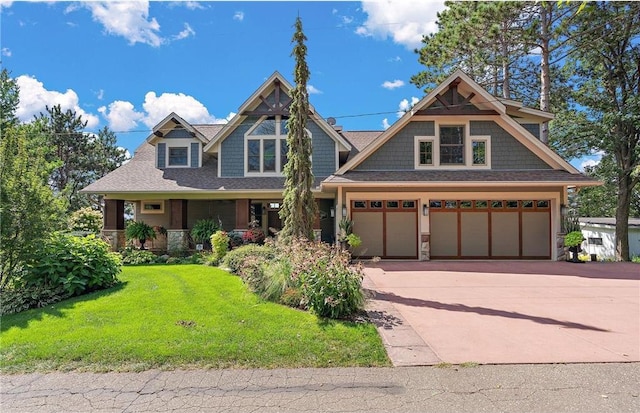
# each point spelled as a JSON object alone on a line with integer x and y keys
{"x": 452, "y": 145}
{"x": 266, "y": 146}
{"x": 178, "y": 156}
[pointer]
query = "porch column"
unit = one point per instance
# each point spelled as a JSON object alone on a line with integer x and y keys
{"x": 113, "y": 223}
{"x": 178, "y": 232}
{"x": 242, "y": 214}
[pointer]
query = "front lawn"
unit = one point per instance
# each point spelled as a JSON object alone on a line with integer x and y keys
{"x": 180, "y": 316}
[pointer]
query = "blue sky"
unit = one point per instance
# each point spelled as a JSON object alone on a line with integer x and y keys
{"x": 127, "y": 65}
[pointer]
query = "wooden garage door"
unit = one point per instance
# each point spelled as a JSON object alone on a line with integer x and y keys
{"x": 499, "y": 229}
{"x": 388, "y": 228}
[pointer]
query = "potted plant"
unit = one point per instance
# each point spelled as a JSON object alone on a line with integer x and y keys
{"x": 140, "y": 231}
{"x": 573, "y": 241}
{"x": 203, "y": 230}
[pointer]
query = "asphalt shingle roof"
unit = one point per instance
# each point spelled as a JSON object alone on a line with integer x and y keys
{"x": 546, "y": 175}
{"x": 141, "y": 175}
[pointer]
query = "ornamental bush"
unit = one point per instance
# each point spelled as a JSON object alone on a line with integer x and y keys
{"x": 80, "y": 264}
{"x": 219, "y": 246}
{"x": 64, "y": 266}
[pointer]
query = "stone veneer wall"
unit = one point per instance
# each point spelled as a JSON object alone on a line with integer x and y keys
{"x": 115, "y": 238}
{"x": 177, "y": 240}
{"x": 425, "y": 247}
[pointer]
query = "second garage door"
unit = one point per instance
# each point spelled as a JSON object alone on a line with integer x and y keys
{"x": 502, "y": 229}
{"x": 388, "y": 228}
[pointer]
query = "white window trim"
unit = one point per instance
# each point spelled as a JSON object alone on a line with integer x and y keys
{"x": 436, "y": 152}
{"x": 487, "y": 155}
{"x": 279, "y": 138}
{"x": 181, "y": 143}
{"x": 468, "y": 148}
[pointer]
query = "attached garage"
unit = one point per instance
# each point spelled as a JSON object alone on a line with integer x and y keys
{"x": 483, "y": 229}
{"x": 388, "y": 228}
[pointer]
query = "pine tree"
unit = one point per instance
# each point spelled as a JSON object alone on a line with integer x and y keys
{"x": 299, "y": 208}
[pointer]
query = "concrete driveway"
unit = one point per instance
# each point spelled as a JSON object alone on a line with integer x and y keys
{"x": 506, "y": 312}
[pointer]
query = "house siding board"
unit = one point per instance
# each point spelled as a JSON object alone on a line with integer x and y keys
{"x": 162, "y": 154}
{"x": 195, "y": 154}
{"x": 178, "y": 134}
{"x": 533, "y": 128}
{"x": 324, "y": 151}
{"x": 232, "y": 151}
{"x": 397, "y": 153}
{"x": 506, "y": 151}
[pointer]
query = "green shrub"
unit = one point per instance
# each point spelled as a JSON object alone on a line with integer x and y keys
{"x": 63, "y": 266}
{"x": 235, "y": 259}
{"x": 330, "y": 286}
{"x": 219, "y": 246}
{"x": 131, "y": 256}
{"x": 636, "y": 259}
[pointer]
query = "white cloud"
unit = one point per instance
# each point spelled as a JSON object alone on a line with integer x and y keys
{"x": 395, "y": 59}
{"x": 187, "y": 107}
{"x": 191, "y": 5}
{"x": 34, "y": 99}
{"x": 188, "y": 31}
{"x": 313, "y": 90}
{"x": 239, "y": 16}
{"x": 393, "y": 84}
{"x": 100, "y": 94}
{"x": 589, "y": 163}
{"x": 121, "y": 115}
{"x": 406, "y": 22}
{"x": 129, "y": 19}
{"x": 6, "y": 51}
{"x": 385, "y": 123}
{"x": 404, "y": 106}
{"x": 5, "y": 4}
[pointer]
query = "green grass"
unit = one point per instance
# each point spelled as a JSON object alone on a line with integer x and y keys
{"x": 179, "y": 316}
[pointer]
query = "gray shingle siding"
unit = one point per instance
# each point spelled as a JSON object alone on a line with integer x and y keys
{"x": 232, "y": 153}
{"x": 506, "y": 151}
{"x": 178, "y": 134}
{"x": 195, "y": 154}
{"x": 232, "y": 150}
{"x": 162, "y": 154}
{"x": 324, "y": 151}
{"x": 397, "y": 153}
{"x": 533, "y": 128}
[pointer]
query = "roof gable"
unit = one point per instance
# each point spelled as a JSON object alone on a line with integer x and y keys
{"x": 172, "y": 122}
{"x": 445, "y": 100}
{"x": 272, "y": 98}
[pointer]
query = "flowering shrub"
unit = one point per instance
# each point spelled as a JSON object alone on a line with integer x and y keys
{"x": 254, "y": 236}
{"x": 304, "y": 274}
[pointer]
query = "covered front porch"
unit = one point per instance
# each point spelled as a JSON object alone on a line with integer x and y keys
{"x": 178, "y": 216}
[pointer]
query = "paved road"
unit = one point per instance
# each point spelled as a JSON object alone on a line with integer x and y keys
{"x": 611, "y": 387}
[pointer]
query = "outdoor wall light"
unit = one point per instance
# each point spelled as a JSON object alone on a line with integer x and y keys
{"x": 563, "y": 210}
{"x": 332, "y": 211}
{"x": 425, "y": 210}
{"x": 344, "y": 210}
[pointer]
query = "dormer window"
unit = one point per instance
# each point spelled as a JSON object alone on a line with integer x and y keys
{"x": 178, "y": 156}
{"x": 452, "y": 147}
{"x": 266, "y": 146}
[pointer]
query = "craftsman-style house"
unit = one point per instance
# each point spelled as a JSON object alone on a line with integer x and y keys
{"x": 462, "y": 175}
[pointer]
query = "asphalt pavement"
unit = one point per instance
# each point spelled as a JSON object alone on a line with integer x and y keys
{"x": 604, "y": 387}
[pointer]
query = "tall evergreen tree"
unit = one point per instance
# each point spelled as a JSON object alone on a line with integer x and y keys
{"x": 605, "y": 68}
{"x": 82, "y": 157}
{"x": 9, "y": 98}
{"x": 299, "y": 208}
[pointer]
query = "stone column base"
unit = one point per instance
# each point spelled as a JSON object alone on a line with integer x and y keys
{"x": 425, "y": 247}
{"x": 115, "y": 238}
{"x": 561, "y": 251}
{"x": 177, "y": 241}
